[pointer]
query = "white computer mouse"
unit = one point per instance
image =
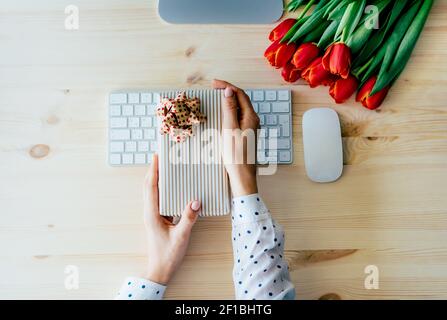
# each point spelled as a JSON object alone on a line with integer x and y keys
{"x": 323, "y": 149}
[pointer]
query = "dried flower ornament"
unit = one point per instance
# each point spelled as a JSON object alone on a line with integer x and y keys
{"x": 178, "y": 116}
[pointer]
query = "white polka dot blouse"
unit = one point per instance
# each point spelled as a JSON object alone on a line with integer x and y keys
{"x": 260, "y": 270}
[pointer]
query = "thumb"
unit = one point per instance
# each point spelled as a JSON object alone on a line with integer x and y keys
{"x": 189, "y": 216}
{"x": 229, "y": 110}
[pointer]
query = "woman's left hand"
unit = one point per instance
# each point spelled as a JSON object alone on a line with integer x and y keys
{"x": 167, "y": 242}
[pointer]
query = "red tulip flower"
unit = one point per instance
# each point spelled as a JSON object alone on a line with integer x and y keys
{"x": 315, "y": 74}
{"x": 342, "y": 89}
{"x": 337, "y": 60}
{"x": 281, "y": 29}
{"x": 278, "y": 54}
{"x": 304, "y": 55}
{"x": 374, "y": 101}
{"x": 290, "y": 73}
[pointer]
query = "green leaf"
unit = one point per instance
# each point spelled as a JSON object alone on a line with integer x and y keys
{"x": 316, "y": 33}
{"x": 306, "y": 8}
{"x": 328, "y": 35}
{"x": 354, "y": 19}
{"x": 335, "y": 8}
{"x": 292, "y": 30}
{"x": 315, "y": 19}
{"x": 373, "y": 65}
{"x": 397, "y": 36}
{"x": 294, "y": 5}
{"x": 359, "y": 38}
{"x": 358, "y": 72}
{"x": 377, "y": 39}
{"x": 381, "y": 5}
{"x": 383, "y": 57}
{"x": 344, "y": 20}
{"x": 405, "y": 49}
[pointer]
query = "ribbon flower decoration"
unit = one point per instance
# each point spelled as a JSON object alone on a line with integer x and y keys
{"x": 179, "y": 115}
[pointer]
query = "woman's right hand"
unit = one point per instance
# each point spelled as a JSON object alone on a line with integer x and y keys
{"x": 239, "y": 120}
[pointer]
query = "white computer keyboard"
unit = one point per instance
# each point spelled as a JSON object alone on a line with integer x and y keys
{"x": 133, "y": 126}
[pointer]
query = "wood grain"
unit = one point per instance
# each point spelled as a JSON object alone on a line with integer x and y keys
{"x": 61, "y": 204}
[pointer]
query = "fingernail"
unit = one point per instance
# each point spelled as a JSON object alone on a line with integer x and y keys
{"x": 228, "y": 92}
{"x": 195, "y": 205}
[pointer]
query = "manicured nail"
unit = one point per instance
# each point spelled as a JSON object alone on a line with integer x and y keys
{"x": 228, "y": 92}
{"x": 195, "y": 205}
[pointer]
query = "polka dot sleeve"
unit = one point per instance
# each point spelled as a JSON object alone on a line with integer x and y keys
{"x": 260, "y": 270}
{"x": 140, "y": 289}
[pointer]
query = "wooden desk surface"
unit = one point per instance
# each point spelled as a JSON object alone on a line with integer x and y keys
{"x": 61, "y": 204}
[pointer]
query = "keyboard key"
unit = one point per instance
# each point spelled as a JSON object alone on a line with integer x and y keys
{"x": 258, "y": 95}
{"x": 120, "y": 134}
{"x": 272, "y": 156}
{"x": 271, "y": 119}
{"x": 143, "y": 146}
{"x": 280, "y": 107}
{"x": 146, "y": 97}
{"x": 154, "y": 146}
{"x": 262, "y": 133}
{"x": 134, "y": 122}
{"x": 284, "y": 119}
{"x": 283, "y": 143}
{"x": 260, "y": 157}
{"x": 248, "y": 94}
{"x": 127, "y": 158}
{"x": 140, "y": 110}
{"x": 273, "y": 133}
{"x": 134, "y": 98}
{"x": 115, "y": 158}
{"x": 261, "y": 119}
{"x": 272, "y": 143}
{"x": 256, "y": 107}
{"x": 149, "y": 134}
{"x": 283, "y": 95}
{"x": 137, "y": 134}
{"x": 261, "y": 143}
{"x": 140, "y": 158}
{"x": 270, "y": 95}
{"x": 271, "y": 153}
{"x": 127, "y": 110}
{"x": 131, "y": 146}
{"x": 284, "y": 156}
{"x": 151, "y": 109}
{"x": 118, "y": 98}
{"x": 284, "y": 122}
{"x": 264, "y": 107}
{"x": 146, "y": 122}
{"x": 118, "y": 122}
{"x": 115, "y": 110}
{"x": 117, "y": 147}
{"x": 156, "y": 98}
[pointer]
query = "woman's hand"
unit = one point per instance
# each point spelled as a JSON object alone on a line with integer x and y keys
{"x": 167, "y": 242}
{"x": 241, "y": 120}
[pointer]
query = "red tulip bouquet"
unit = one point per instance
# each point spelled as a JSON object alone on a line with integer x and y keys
{"x": 348, "y": 45}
